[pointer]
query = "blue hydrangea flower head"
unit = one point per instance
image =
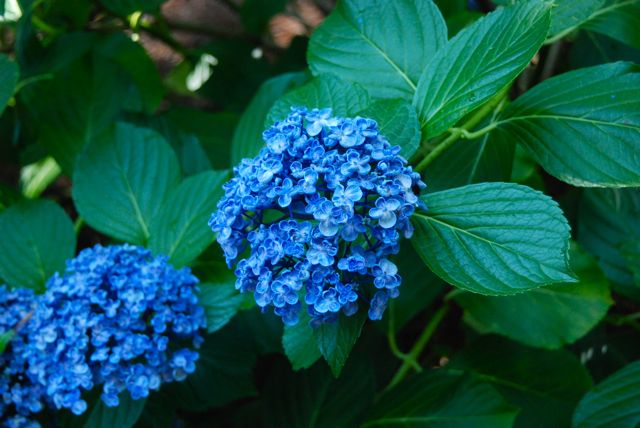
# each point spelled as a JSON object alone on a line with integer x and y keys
{"x": 313, "y": 219}
{"x": 118, "y": 318}
{"x": 19, "y": 397}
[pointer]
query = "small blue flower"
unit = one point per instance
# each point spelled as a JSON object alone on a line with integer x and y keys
{"x": 313, "y": 219}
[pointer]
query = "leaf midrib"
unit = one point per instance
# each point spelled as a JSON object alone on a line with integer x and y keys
{"x": 383, "y": 54}
{"x": 533, "y": 117}
{"x": 478, "y": 237}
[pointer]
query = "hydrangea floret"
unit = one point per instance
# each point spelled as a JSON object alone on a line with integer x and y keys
{"x": 19, "y": 397}
{"x": 314, "y": 218}
{"x": 119, "y": 318}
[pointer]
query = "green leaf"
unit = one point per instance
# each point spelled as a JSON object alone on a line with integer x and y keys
{"x": 37, "y": 239}
{"x": 631, "y": 253}
{"x": 615, "y": 402}
{"x": 398, "y": 121}
{"x": 247, "y": 138}
{"x": 336, "y": 340}
{"x": 122, "y": 181}
{"x": 346, "y": 99}
{"x": 127, "y": 7}
{"x": 8, "y": 79}
{"x": 125, "y": 415}
{"x": 478, "y": 62}
{"x": 5, "y": 338}
{"x": 382, "y": 45}
{"x": 619, "y": 20}
{"x": 583, "y": 126}
{"x": 548, "y": 317}
{"x": 607, "y": 219}
{"x": 220, "y": 300}
{"x": 442, "y": 398}
{"x": 567, "y": 15}
{"x": 180, "y": 229}
{"x": 313, "y": 398}
{"x": 36, "y": 177}
{"x": 299, "y": 343}
{"x": 494, "y": 238}
{"x": 546, "y": 385}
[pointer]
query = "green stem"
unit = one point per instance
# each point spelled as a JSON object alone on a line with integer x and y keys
{"x": 419, "y": 346}
{"x": 463, "y": 131}
{"x": 77, "y": 226}
{"x": 393, "y": 345}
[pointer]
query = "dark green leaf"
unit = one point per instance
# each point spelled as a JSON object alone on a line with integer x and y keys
{"x": 494, "y": 238}
{"x": 398, "y": 121}
{"x": 442, "y": 398}
{"x": 180, "y": 230}
{"x": 8, "y": 80}
{"x": 620, "y": 19}
{"x": 567, "y": 15}
{"x": 467, "y": 162}
{"x": 546, "y": 385}
{"x": 615, "y": 402}
{"x": 382, "y": 45}
{"x": 299, "y": 343}
{"x": 37, "y": 239}
{"x": 133, "y": 59}
{"x": 607, "y": 219}
{"x": 257, "y": 13}
{"x": 548, "y": 317}
{"x": 223, "y": 372}
{"x": 313, "y": 398}
{"x": 631, "y": 253}
{"x": 592, "y": 49}
{"x": 336, "y": 339}
{"x": 478, "y": 62}
{"x": 247, "y": 138}
{"x": 87, "y": 87}
{"x": 583, "y": 127}
{"x": 221, "y": 301}
{"x": 124, "y": 415}
{"x": 5, "y": 338}
{"x": 122, "y": 181}
{"x": 346, "y": 99}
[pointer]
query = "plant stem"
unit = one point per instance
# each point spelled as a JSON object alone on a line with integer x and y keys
{"x": 418, "y": 347}
{"x": 393, "y": 345}
{"x": 77, "y": 226}
{"x": 463, "y": 131}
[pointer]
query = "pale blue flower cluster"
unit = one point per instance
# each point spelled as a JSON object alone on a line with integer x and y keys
{"x": 19, "y": 397}
{"x": 118, "y": 318}
{"x": 315, "y": 217}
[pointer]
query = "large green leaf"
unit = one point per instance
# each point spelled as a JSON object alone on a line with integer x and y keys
{"x": 125, "y": 415}
{"x": 608, "y": 218}
{"x": 494, "y": 238}
{"x": 299, "y": 343}
{"x": 336, "y": 340}
{"x": 398, "y": 121}
{"x": 247, "y": 138}
{"x": 37, "y": 239}
{"x": 546, "y": 385}
{"x": 569, "y": 14}
{"x": 620, "y": 19}
{"x": 478, "y": 62}
{"x": 8, "y": 80}
{"x": 122, "y": 181}
{"x": 346, "y": 99}
{"x": 382, "y": 45}
{"x": 547, "y": 317}
{"x": 180, "y": 229}
{"x": 583, "y": 126}
{"x": 442, "y": 398}
{"x": 615, "y": 402}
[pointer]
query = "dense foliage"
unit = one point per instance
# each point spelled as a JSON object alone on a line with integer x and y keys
{"x": 307, "y": 214}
